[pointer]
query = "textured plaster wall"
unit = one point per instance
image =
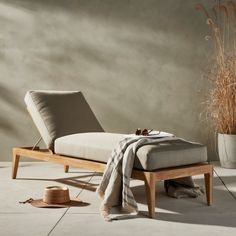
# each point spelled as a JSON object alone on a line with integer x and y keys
{"x": 139, "y": 63}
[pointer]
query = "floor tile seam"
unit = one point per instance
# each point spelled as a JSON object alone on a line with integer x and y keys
{"x": 83, "y": 213}
{"x": 69, "y": 207}
{"x": 221, "y": 179}
{"x": 28, "y": 213}
{"x": 94, "y": 173}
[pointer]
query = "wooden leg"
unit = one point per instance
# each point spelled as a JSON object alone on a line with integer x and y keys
{"x": 150, "y": 185}
{"x": 209, "y": 187}
{"x": 15, "y": 163}
{"x": 66, "y": 168}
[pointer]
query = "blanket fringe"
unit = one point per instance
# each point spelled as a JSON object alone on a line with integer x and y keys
{"x": 105, "y": 213}
{"x": 104, "y": 209}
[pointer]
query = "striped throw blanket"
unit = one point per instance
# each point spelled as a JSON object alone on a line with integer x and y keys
{"x": 114, "y": 188}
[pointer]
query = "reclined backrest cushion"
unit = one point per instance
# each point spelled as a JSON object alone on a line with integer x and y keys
{"x": 60, "y": 113}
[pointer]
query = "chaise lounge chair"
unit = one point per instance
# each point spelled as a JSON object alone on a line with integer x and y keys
{"x": 74, "y": 137}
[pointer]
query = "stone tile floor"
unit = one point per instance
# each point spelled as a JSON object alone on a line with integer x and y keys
{"x": 174, "y": 216}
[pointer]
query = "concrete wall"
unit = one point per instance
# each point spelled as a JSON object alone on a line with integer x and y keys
{"x": 139, "y": 63}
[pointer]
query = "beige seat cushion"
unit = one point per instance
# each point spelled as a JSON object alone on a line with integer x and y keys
{"x": 60, "y": 113}
{"x": 98, "y": 147}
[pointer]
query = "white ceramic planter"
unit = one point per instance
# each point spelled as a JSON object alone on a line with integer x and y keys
{"x": 227, "y": 150}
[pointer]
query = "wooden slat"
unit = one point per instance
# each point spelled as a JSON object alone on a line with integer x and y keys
{"x": 44, "y": 155}
{"x": 139, "y": 174}
{"x": 182, "y": 171}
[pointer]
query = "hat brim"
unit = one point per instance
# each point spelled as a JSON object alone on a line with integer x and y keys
{"x": 72, "y": 203}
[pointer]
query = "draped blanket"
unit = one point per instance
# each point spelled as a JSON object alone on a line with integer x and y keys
{"x": 114, "y": 188}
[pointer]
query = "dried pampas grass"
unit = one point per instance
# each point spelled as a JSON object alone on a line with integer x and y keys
{"x": 221, "y": 100}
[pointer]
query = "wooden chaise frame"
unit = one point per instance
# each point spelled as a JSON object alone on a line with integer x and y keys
{"x": 149, "y": 177}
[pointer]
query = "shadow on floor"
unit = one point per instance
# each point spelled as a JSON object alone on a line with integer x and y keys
{"x": 192, "y": 210}
{"x": 71, "y": 181}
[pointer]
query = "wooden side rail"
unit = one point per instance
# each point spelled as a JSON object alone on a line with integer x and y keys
{"x": 149, "y": 177}
{"x": 45, "y": 155}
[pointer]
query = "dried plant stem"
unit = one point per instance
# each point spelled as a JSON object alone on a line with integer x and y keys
{"x": 221, "y": 100}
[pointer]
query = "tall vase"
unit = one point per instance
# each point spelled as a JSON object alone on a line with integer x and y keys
{"x": 227, "y": 150}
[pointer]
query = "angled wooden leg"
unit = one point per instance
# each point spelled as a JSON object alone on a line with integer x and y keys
{"x": 66, "y": 168}
{"x": 150, "y": 185}
{"x": 15, "y": 163}
{"x": 209, "y": 187}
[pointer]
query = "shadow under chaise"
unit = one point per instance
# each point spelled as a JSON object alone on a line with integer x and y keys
{"x": 74, "y": 137}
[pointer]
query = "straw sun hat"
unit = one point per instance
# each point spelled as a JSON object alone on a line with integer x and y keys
{"x": 55, "y": 197}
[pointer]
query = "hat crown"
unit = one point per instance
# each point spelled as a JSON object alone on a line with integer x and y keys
{"x": 56, "y": 195}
